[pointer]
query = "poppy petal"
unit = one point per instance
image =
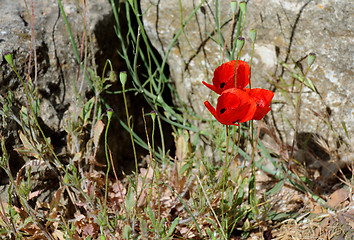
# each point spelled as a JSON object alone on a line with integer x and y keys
{"x": 238, "y": 105}
{"x": 265, "y": 96}
{"x": 263, "y": 99}
{"x": 211, "y": 87}
{"x": 252, "y": 107}
{"x": 243, "y": 74}
{"x": 224, "y": 76}
{"x": 260, "y": 113}
{"x": 214, "y": 113}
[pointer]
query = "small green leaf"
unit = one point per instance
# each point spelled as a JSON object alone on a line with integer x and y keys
{"x": 151, "y": 215}
{"x": 86, "y": 111}
{"x": 173, "y": 226}
{"x": 275, "y": 189}
{"x": 310, "y": 84}
{"x": 241, "y": 191}
{"x": 127, "y": 230}
{"x": 144, "y": 227}
{"x": 345, "y": 129}
{"x": 129, "y": 201}
{"x": 252, "y": 191}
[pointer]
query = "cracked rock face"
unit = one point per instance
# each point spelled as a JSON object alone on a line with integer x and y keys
{"x": 56, "y": 61}
{"x": 57, "y": 72}
{"x": 287, "y": 31}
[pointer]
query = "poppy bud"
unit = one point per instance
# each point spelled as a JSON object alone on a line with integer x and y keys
{"x": 109, "y": 113}
{"x": 239, "y": 43}
{"x": 112, "y": 76}
{"x": 253, "y": 34}
{"x": 9, "y": 59}
{"x": 233, "y": 6}
{"x": 243, "y": 7}
{"x": 311, "y": 58}
{"x": 123, "y": 77}
{"x": 153, "y": 115}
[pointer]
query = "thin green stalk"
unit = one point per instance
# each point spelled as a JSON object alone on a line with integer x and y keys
{"x": 211, "y": 208}
{"x": 223, "y": 179}
{"x": 228, "y": 33}
{"x": 185, "y": 35}
{"x": 297, "y": 115}
{"x": 35, "y": 116}
{"x": 148, "y": 95}
{"x": 237, "y": 151}
{"x": 152, "y": 160}
{"x": 187, "y": 208}
{"x": 251, "y": 61}
{"x": 217, "y": 21}
{"x": 174, "y": 40}
{"x": 109, "y": 115}
{"x": 226, "y": 154}
{"x": 130, "y": 129}
{"x": 162, "y": 138}
{"x": 238, "y": 32}
{"x": 243, "y": 23}
{"x": 70, "y": 32}
{"x": 234, "y": 141}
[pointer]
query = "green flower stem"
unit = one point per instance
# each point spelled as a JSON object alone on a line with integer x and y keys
{"x": 162, "y": 138}
{"x": 238, "y": 34}
{"x": 152, "y": 158}
{"x": 253, "y": 36}
{"x": 130, "y": 129}
{"x": 223, "y": 178}
{"x": 298, "y": 102}
{"x": 29, "y": 98}
{"x": 70, "y": 32}
{"x": 239, "y": 43}
{"x": 109, "y": 115}
{"x": 211, "y": 208}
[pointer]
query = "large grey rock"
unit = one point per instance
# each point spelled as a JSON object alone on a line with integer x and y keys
{"x": 57, "y": 66}
{"x": 58, "y": 72}
{"x": 287, "y": 31}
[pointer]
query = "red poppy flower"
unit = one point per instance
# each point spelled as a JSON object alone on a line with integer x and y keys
{"x": 224, "y": 76}
{"x": 263, "y": 98}
{"x": 234, "y": 106}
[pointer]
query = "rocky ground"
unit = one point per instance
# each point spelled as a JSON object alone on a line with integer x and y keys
{"x": 286, "y": 32}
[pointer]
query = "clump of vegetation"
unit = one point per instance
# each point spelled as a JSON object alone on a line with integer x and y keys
{"x": 188, "y": 195}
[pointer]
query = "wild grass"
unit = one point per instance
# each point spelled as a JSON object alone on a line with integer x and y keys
{"x": 194, "y": 194}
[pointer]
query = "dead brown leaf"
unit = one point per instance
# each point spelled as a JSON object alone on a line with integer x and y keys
{"x": 338, "y": 197}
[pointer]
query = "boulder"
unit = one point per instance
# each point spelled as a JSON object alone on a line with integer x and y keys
{"x": 57, "y": 67}
{"x": 58, "y": 77}
{"x": 287, "y": 31}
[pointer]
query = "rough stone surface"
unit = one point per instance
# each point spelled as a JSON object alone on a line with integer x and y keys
{"x": 57, "y": 72}
{"x": 56, "y": 63}
{"x": 286, "y": 31}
